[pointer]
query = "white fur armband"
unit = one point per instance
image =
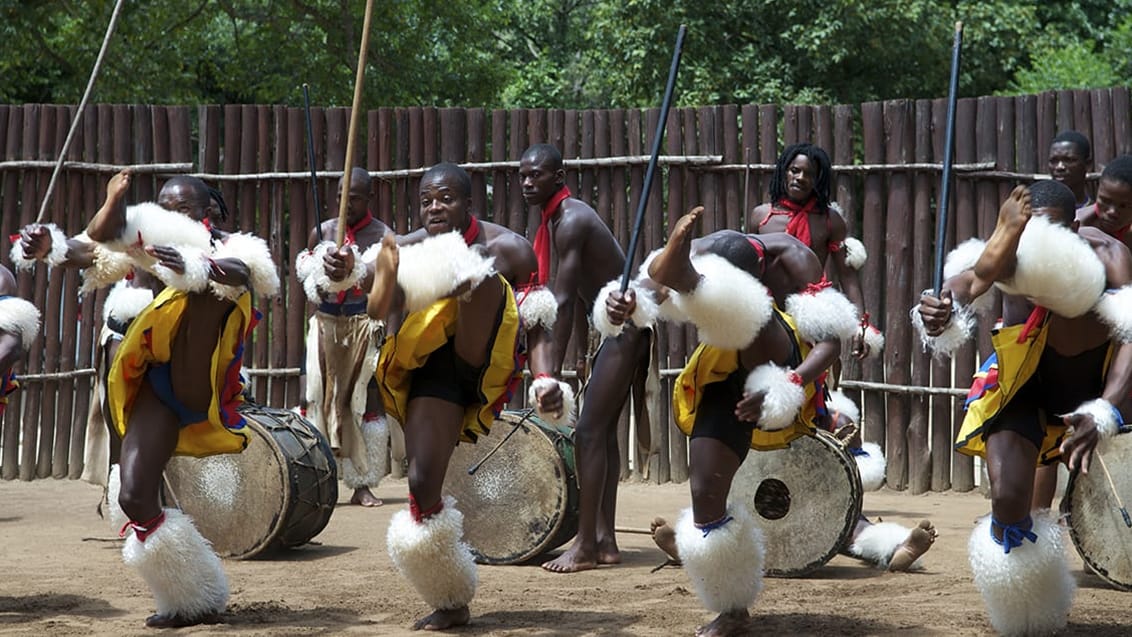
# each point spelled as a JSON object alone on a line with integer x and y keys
{"x": 263, "y": 278}
{"x": 959, "y": 330}
{"x": 195, "y": 276}
{"x": 1115, "y": 311}
{"x": 1106, "y": 416}
{"x": 124, "y": 302}
{"x": 1056, "y": 269}
{"x": 729, "y": 306}
{"x": 537, "y": 307}
{"x": 438, "y": 266}
{"x": 57, "y": 254}
{"x": 644, "y": 315}
{"x": 20, "y": 318}
{"x": 824, "y": 315}
{"x": 148, "y": 224}
{"x": 963, "y": 258}
{"x": 782, "y": 395}
{"x": 840, "y": 403}
{"x": 108, "y": 267}
{"x": 566, "y": 417}
{"x": 855, "y": 253}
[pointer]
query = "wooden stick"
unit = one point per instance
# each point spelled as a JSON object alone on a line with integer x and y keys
{"x": 79, "y": 111}
{"x": 948, "y": 151}
{"x": 344, "y": 199}
{"x": 625, "y": 529}
{"x": 310, "y": 160}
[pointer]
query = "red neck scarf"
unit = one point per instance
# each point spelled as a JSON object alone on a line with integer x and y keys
{"x": 472, "y": 231}
{"x": 353, "y": 230}
{"x": 799, "y": 224}
{"x": 542, "y": 237}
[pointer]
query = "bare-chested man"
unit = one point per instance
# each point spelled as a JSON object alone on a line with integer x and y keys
{"x": 448, "y": 371}
{"x": 1069, "y": 157}
{"x": 589, "y": 258}
{"x": 800, "y": 206}
{"x": 341, "y": 396}
{"x": 174, "y": 383}
{"x": 19, "y": 325}
{"x": 1062, "y": 362}
{"x": 754, "y": 382}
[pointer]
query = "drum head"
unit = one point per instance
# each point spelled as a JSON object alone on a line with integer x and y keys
{"x": 242, "y": 503}
{"x": 1096, "y": 524}
{"x": 517, "y": 501}
{"x": 805, "y": 498}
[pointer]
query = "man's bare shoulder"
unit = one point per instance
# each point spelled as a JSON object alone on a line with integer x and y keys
{"x": 416, "y": 236}
{"x": 514, "y": 256}
{"x": 758, "y": 215}
{"x": 838, "y": 229}
{"x": 1110, "y": 250}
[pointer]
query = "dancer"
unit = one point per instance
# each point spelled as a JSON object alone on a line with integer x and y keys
{"x": 1047, "y": 394}
{"x": 342, "y": 341}
{"x": 19, "y": 325}
{"x": 448, "y": 371}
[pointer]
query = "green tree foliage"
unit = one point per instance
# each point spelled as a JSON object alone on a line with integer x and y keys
{"x": 557, "y": 53}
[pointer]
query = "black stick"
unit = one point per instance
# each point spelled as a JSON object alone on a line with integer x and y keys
{"x": 657, "y": 139}
{"x": 948, "y": 151}
{"x": 310, "y": 157}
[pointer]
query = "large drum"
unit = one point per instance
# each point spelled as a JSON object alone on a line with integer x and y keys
{"x": 1101, "y": 531}
{"x": 516, "y": 488}
{"x": 805, "y": 498}
{"x": 278, "y": 493}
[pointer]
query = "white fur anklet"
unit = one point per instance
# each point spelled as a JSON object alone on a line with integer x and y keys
{"x": 724, "y": 563}
{"x": 431, "y": 554}
{"x": 959, "y": 330}
{"x": 644, "y": 315}
{"x": 877, "y": 542}
{"x": 871, "y": 465}
{"x": 375, "y": 435}
{"x": 1029, "y": 590}
{"x": 566, "y": 417}
{"x": 180, "y": 567}
{"x": 783, "y": 395}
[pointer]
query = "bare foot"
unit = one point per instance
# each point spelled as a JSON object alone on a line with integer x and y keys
{"x": 572, "y": 561}
{"x": 384, "y": 286}
{"x": 919, "y": 541}
{"x": 366, "y": 498}
{"x": 441, "y": 619}
{"x": 730, "y": 624}
{"x": 665, "y": 538}
{"x": 673, "y": 266}
{"x": 180, "y": 621}
{"x": 607, "y": 552}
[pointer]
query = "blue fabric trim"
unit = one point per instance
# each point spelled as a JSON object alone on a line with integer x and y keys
{"x": 161, "y": 380}
{"x": 858, "y": 451}
{"x": 1118, "y": 415}
{"x": 1014, "y": 534}
{"x": 711, "y": 526}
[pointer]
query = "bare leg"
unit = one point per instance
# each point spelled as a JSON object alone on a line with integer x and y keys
{"x": 430, "y": 436}
{"x": 597, "y": 466}
{"x": 380, "y": 299}
{"x": 919, "y": 541}
{"x": 1045, "y": 486}
{"x": 147, "y": 447}
{"x": 673, "y": 266}
{"x": 374, "y": 409}
{"x": 713, "y": 466}
{"x": 1010, "y": 465}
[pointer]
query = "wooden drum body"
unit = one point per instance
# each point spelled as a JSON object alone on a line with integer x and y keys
{"x": 1097, "y": 525}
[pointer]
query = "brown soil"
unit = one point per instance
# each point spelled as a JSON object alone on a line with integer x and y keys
{"x": 63, "y": 575}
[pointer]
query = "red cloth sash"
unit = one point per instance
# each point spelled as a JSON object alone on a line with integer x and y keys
{"x": 542, "y": 236}
{"x": 799, "y": 224}
{"x": 472, "y": 231}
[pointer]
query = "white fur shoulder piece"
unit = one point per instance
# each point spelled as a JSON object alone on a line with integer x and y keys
{"x": 148, "y": 224}
{"x": 823, "y": 316}
{"x": 855, "y": 253}
{"x": 124, "y": 302}
{"x": 537, "y": 307}
{"x": 1115, "y": 310}
{"x": 1057, "y": 269}
{"x": 729, "y": 306}
{"x": 438, "y": 266}
{"x": 19, "y": 318}
{"x": 263, "y": 278}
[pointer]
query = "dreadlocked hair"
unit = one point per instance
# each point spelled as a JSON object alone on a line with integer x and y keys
{"x": 821, "y": 180}
{"x": 216, "y": 196}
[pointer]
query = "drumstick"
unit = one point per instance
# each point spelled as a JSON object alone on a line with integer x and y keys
{"x": 1115, "y": 494}
{"x": 625, "y": 529}
{"x": 310, "y": 158}
{"x": 948, "y": 151}
{"x": 476, "y": 467}
{"x": 348, "y": 167}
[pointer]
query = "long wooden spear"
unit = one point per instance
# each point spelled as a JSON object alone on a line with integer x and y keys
{"x": 948, "y": 151}
{"x": 310, "y": 158}
{"x": 657, "y": 139}
{"x": 348, "y": 167}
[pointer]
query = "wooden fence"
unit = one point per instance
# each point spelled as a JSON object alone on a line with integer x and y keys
{"x": 886, "y": 157}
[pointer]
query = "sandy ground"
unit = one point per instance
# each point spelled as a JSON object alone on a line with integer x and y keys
{"x": 63, "y": 575}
